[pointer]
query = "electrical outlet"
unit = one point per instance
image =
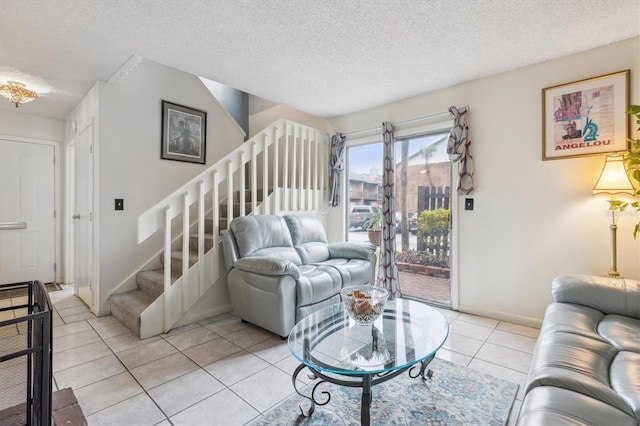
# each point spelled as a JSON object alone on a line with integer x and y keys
{"x": 468, "y": 203}
{"x": 119, "y": 205}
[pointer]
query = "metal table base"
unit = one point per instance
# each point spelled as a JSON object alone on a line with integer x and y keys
{"x": 364, "y": 381}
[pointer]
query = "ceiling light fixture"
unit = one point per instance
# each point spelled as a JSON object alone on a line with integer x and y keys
{"x": 17, "y": 93}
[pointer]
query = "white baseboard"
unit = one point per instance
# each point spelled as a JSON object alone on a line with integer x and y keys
{"x": 502, "y": 316}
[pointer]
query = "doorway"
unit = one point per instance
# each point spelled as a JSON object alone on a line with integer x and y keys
{"x": 81, "y": 168}
{"x": 423, "y": 215}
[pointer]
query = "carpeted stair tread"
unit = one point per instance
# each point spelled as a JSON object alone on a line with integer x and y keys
{"x": 176, "y": 261}
{"x": 152, "y": 281}
{"x": 128, "y": 306}
{"x": 193, "y": 242}
{"x": 249, "y": 193}
{"x": 222, "y": 223}
{"x": 177, "y": 254}
{"x": 235, "y": 208}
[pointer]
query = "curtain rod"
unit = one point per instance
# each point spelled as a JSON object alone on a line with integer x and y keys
{"x": 413, "y": 120}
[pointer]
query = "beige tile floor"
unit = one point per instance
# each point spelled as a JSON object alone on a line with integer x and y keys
{"x": 221, "y": 371}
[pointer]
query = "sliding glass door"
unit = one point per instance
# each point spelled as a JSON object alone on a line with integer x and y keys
{"x": 423, "y": 219}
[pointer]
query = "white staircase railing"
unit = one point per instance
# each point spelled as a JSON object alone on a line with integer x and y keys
{"x": 287, "y": 162}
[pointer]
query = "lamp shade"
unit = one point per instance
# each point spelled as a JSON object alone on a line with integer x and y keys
{"x": 614, "y": 179}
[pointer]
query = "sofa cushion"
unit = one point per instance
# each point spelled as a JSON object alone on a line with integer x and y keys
{"x": 317, "y": 283}
{"x": 556, "y": 406}
{"x": 265, "y": 236}
{"x": 352, "y": 271}
{"x": 625, "y": 379}
{"x": 309, "y": 238}
{"x": 304, "y": 311}
{"x": 576, "y": 363}
{"x": 571, "y": 318}
{"x": 621, "y": 332}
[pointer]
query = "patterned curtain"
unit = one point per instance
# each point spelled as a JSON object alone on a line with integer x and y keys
{"x": 387, "y": 269}
{"x": 459, "y": 149}
{"x": 336, "y": 165}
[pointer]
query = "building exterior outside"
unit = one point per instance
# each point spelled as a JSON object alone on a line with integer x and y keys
{"x": 365, "y": 190}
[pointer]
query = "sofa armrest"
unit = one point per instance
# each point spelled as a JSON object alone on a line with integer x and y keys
{"x": 608, "y": 295}
{"x": 229, "y": 249}
{"x": 268, "y": 266}
{"x": 351, "y": 251}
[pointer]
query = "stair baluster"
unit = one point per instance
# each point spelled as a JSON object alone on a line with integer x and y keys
{"x": 167, "y": 270}
{"x": 201, "y": 223}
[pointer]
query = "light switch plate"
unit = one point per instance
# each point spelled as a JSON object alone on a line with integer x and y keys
{"x": 468, "y": 203}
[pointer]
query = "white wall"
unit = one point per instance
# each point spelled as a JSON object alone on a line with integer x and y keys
{"x": 533, "y": 219}
{"x": 129, "y": 160}
{"x": 19, "y": 123}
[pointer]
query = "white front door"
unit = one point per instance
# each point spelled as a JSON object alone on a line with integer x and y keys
{"x": 27, "y": 210}
{"x": 83, "y": 216}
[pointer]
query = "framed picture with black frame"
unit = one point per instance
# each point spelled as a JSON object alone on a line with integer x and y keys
{"x": 184, "y": 133}
{"x": 586, "y": 117}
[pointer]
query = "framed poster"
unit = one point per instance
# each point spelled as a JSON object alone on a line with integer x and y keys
{"x": 586, "y": 117}
{"x": 184, "y": 133}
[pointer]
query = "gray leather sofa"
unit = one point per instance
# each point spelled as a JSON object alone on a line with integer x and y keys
{"x": 281, "y": 268}
{"x": 586, "y": 363}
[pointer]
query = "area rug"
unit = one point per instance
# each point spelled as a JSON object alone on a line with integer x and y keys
{"x": 455, "y": 395}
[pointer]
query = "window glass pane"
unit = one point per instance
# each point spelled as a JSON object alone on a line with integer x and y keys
{"x": 365, "y": 187}
{"x": 423, "y": 180}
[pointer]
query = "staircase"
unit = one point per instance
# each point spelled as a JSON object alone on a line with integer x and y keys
{"x": 288, "y": 168}
{"x": 128, "y": 306}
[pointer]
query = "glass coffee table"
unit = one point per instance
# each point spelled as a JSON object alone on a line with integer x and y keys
{"x": 338, "y": 350}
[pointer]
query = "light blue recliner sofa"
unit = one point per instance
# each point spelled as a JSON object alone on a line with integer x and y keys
{"x": 586, "y": 364}
{"x": 281, "y": 268}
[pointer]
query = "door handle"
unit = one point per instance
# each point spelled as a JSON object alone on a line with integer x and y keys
{"x": 5, "y": 226}
{"x": 75, "y": 216}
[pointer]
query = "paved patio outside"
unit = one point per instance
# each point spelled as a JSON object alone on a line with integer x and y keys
{"x": 424, "y": 287}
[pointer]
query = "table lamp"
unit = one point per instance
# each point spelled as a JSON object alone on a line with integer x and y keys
{"x": 613, "y": 180}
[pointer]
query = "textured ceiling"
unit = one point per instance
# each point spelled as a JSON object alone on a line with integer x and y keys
{"x": 324, "y": 57}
